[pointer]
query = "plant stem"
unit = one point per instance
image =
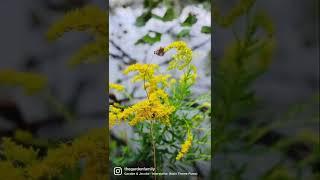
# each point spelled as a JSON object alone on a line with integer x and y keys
{"x": 154, "y": 149}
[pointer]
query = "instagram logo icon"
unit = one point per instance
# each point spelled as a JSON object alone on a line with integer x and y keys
{"x": 117, "y": 171}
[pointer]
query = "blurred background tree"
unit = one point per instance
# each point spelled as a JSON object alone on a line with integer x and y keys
{"x": 265, "y": 109}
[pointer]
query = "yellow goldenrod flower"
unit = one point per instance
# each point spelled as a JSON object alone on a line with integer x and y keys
{"x": 206, "y": 104}
{"x": 90, "y": 148}
{"x": 117, "y": 87}
{"x": 155, "y": 107}
{"x": 194, "y": 73}
{"x": 156, "y": 82}
{"x": 145, "y": 71}
{"x": 93, "y": 20}
{"x": 159, "y": 94}
{"x": 185, "y": 146}
{"x": 172, "y": 82}
{"x": 114, "y": 115}
{"x": 183, "y": 56}
{"x": 9, "y": 171}
{"x": 15, "y": 152}
{"x": 112, "y": 120}
{"x": 150, "y": 109}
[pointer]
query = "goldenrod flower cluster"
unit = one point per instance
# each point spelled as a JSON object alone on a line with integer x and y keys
{"x": 155, "y": 107}
{"x": 117, "y": 87}
{"x": 89, "y": 18}
{"x": 14, "y": 152}
{"x": 114, "y": 115}
{"x": 183, "y": 56}
{"x": 145, "y": 71}
{"x": 91, "y": 148}
{"x": 185, "y": 146}
{"x": 8, "y": 171}
{"x": 24, "y": 163}
{"x": 156, "y": 82}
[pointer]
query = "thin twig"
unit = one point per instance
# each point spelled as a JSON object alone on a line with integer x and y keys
{"x": 124, "y": 54}
{"x": 201, "y": 44}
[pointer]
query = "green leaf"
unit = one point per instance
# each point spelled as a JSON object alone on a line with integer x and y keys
{"x": 169, "y": 15}
{"x": 184, "y": 33}
{"x": 191, "y": 20}
{"x": 206, "y": 29}
{"x": 151, "y": 3}
{"x": 156, "y": 16}
{"x": 143, "y": 19}
{"x": 149, "y": 39}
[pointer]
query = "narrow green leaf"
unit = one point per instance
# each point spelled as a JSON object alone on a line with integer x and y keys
{"x": 184, "y": 33}
{"x": 149, "y": 39}
{"x": 206, "y": 29}
{"x": 169, "y": 15}
{"x": 151, "y": 3}
{"x": 190, "y": 20}
{"x": 156, "y": 16}
{"x": 143, "y": 19}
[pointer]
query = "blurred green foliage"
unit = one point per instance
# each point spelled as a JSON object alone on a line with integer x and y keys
{"x": 30, "y": 82}
{"x": 206, "y": 29}
{"x": 190, "y": 20}
{"x": 168, "y": 16}
{"x": 60, "y": 162}
{"x": 150, "y": 38}
{"x": 183, "y": 33}
{"x": 173, "y": 9}
{"x": 237, "y": 129}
